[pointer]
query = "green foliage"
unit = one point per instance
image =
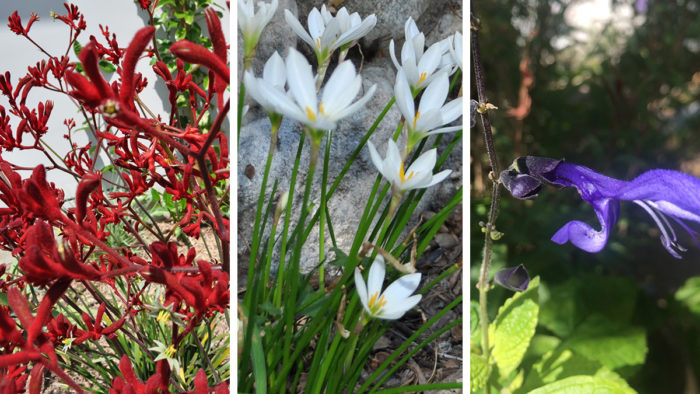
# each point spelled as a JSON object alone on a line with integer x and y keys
{"x": 689, "y": 294}
{"x": 514, "y": 327}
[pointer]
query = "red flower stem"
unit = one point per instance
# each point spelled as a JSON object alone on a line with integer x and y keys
{"x": 221, "y": 231}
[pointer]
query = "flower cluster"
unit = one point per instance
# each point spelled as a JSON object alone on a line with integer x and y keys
{"x": 64, "y": 245}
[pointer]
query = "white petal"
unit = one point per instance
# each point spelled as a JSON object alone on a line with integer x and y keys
{"x": 357, "y": 104}
{"x": 442, "y": 130}
{"x": 418, "y": 43}
{"x": 326, "y": 14}
{"x": 439, "y": 177}
{"x": 404, "y": 98}
{"x": 316, "y": 24}
{"x": 361, "y": 288}
{"x": 451, "y": 111}
{"x": 357, "y": 32}
{"x": 396, "y": 311}
{"x": 343, "y": 18}
{"x": 341, "y": 87}
{"x": 435, "y": 94}
{"x": 376, "y": 159}
{"x": 424, "y": 163}
{"x": 429, "y": 120}
{"x": 251, "y": 89}
{"x": 392, "y": 163}
{"x": 376, "y": 277}
{"x": 330, "y": 35}
{"x": 430, "y": 60}
{"x": 274, "y": 72}
{"x": 393, "y": 56}
{"x": 402, "y": 288}
{"x": 410, "y": 29}
{"x": 301, "y": 81}
{"x": 293, "y": 22}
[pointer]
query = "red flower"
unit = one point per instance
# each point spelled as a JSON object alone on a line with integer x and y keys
{"x": 16, "y": 23}
{"x": 197, "y": 54}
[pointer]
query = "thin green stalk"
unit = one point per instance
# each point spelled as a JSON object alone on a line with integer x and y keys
{"x": 322, "y": 210}
{"x": 239, "y": 117}
{"x": 285, "y": 229}
{"x": 493, "y": 212}
{"x": 257, "y": 238}
{"x": 289, "y": 310}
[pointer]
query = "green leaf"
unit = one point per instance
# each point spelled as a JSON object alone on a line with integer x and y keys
{"x": 611, "y": 343}
{"x": 77, "y": 47}
{"x": 689, "y": 294}
{"x": 107, "y": 66}
{"x": 259, "y": 368}
{"x": 479, "y": 371}
{"x": 473, "y": 317}
{"x": 557, "y": 365}
{"x": 514, "y": 327}
{"x": 585, "y": 385}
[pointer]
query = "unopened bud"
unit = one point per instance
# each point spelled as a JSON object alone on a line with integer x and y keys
{"x": 281, "y": 206}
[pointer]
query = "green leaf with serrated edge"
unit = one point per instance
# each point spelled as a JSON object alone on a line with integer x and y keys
{"x": 585, "y": 385}
{"x": 514, "y": 327}
{"x": 689, "y": 294}
{"x": 479, "y": 371}
{"x": 557, "y": 365}
{"x": 611, "y": 343}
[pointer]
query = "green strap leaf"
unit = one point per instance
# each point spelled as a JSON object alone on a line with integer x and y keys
{"x": 514, "y": 327}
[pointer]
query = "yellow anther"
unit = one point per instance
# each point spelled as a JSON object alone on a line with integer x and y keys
{"x": 320, "y": 108}
{"x": 170, "y": 351}
{"x": 374, "y": 304}
{"x": 163, "y": 316}
{"x": 415, "y": 119}
{"x": 422, "y": 77}
{"x": 402, "y": 174}
{"x": 310, "y": 114}
{"x": 318, "y": 42}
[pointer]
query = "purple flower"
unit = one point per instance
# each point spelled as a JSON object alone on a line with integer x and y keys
{"x": 661, "y": 193}
{"x": 515, "y": 278}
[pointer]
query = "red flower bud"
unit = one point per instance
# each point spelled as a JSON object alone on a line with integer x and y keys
{"x": 197, "y": 54}
{"x": 136, "y": 47}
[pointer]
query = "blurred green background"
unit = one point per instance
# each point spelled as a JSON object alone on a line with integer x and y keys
{"x": 612, "y": 85}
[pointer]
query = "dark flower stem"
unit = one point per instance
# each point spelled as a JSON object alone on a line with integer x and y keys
{"x": 495, "y": 170}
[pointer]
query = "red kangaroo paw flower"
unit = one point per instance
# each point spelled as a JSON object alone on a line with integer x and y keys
{"x": 36, "y": 379}
{"x": 193, "y": 53}
{"x": 84, "y": 91}
{"x": 86, "y": 186}
{"x": 88, "y": 57}
{"x": 216, "y": 33}
{"x": 136, "y": 47}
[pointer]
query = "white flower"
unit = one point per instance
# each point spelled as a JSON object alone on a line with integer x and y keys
{"x": 328, "y": 33}
{"x": 431, "y": 114}
{"x": 419, "y": 174}
{"x": 420, "y": 67}
{"x": 302, "y": 103}
{"x": 252, "y": 23}
{"x": 271, "y": 84}
{"x": 456, "y": 49}
{"x": 395, "y": 300}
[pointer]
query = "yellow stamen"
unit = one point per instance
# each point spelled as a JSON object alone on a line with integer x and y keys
{"x": 374, "y": 304}
{"x": 163, "y": 316}
{"x": 320, "y": 108}
{"x": 422, "y": 77}
{"x": 318, "y": 42}
{"x": 310, "y": 114}
{"x": 170, "y": 351}
{"x": 415, "y": 119}
{"x": 402, "y": 174}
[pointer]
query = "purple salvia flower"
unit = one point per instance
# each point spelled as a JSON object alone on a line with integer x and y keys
{"x": 662, "y": 193}
{"x": 515, "y": 278}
